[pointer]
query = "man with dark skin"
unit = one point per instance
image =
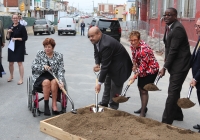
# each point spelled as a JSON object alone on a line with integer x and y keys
{"x": 114, "y": 63}
{"x": 177, "y": 62}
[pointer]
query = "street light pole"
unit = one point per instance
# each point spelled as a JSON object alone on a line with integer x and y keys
{"x": 93, "y": 8}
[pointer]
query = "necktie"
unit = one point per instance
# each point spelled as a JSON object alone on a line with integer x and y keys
{"x": 167, "y": 30}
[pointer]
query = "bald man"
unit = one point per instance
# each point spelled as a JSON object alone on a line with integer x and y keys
{"x": 114, "y": 63}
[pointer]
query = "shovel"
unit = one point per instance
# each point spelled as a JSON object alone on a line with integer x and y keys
{"x": 152, "y": 86}
{"x": 64, "y": 91}
{"x": 96, "y": 108}
{"x": 185, "y": 102}
{"x": 122, "y": 98}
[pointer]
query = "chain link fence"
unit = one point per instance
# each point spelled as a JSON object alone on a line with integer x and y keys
{"x": 152, "y": 37}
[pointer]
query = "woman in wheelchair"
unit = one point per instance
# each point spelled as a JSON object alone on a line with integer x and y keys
{"x": 48, "y": 59}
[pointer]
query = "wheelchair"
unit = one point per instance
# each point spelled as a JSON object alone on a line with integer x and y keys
{"x": 33, "y": 98}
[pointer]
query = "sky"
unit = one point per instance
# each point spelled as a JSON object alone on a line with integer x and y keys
{"x": 87, "y": 5}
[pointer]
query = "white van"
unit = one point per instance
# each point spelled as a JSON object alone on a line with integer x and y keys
{"x": 66, "y": 25}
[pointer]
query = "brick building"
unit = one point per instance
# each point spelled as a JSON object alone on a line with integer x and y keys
{"x": 152, "y": 12}
{"x": 106, "y": 8}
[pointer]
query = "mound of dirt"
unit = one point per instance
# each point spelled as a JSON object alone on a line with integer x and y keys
{"x": 118, "y": 125}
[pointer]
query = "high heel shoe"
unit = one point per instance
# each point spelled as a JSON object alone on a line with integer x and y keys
{"x": 55, "y": 112}
{"x": 138, "y": 111}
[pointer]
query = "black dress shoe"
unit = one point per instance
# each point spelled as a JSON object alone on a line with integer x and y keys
{"x": 138, "y": 111}
{"x": 196, "y": 126}
{"x": 100, "y": 103}
{"x": 178, "y": 119}
{"x": 55, "y": 112}
{"x": 25, "y": 54}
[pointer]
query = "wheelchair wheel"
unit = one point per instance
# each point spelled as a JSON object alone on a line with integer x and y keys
{"x": 29, "y": 93}
{"x": 34, "y": 112}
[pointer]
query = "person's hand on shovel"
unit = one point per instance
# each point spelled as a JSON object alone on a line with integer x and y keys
{"x": 46, "y": 67}
{"x": 193, "y": 82}
{"x": 162, "y": 72}
{"x": 98, "y": 88}
{"x": 96, "y": 68}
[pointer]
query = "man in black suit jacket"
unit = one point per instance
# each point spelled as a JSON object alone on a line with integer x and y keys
{"x": 115, "y": 62}
{"x": 177, "y": 62}
{"x": 195, "y": 65}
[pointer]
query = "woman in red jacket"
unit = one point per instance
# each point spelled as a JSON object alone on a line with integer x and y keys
{"x": 145, "y": 67}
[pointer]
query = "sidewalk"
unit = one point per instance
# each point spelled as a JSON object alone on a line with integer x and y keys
{"x": 160, "y": 58}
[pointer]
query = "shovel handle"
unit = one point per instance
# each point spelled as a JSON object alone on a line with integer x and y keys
{"x": 157, "y": 79}
{"x": 130, "y": 82}
{"x": 63, "y": 90}
{"x": 189, "y": 92}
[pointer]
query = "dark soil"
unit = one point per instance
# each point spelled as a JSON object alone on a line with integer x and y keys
{"x": 151, "y": 87}
{"x": 118, "y": 125}
{"x": 185, "y": 103}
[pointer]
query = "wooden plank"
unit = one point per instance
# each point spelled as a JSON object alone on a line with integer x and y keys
{"x": 57, "y": 132}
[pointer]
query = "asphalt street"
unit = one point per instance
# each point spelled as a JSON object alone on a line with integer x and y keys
{"x": 17, "y": 122}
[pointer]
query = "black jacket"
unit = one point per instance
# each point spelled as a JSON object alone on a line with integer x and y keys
{"x": 177, "y": 49}
{"x": 195, "y": 63}
{"x": 114, "y": 59}
{"x": 82, "y": 25}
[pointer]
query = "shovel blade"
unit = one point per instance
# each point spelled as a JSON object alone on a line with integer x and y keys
{"x": 95, "y": 110}
{"x": 151, "y": 87}
{"x": 185, "y": 103}
{"x": 120, "y": 99}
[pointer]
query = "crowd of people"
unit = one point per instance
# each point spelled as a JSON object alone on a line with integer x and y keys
{"x": 114, "y": 64}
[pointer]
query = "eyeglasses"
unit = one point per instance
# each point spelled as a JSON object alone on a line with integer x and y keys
{"x": 197, "y": 26}
{"x": 169, "y": 15}
{"x": 135, "y": 40}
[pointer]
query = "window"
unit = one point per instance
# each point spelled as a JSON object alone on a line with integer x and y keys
{"x": 186, "y": 8}
{"x": 167, "y": 4}
{"x": 153, "y": 8}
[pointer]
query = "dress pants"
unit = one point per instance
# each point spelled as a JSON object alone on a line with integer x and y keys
{"x": 110, "y": 90}
{"x": 172, "y": 110}
{"x": 198, "y": 91}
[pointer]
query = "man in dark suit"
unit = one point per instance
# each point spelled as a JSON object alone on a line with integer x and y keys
{"x": 115, "y": 63}
{"x": 195, "y": 64}
{"x": 177, "y": 62}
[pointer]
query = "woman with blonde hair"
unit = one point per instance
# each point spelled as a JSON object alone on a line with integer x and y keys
{"x": 18, "y": 34}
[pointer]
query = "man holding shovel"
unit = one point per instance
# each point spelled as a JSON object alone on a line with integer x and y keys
{"x": 177, "y": 62}
{"x": 114, "y": 63}
{"x": 195, "y": 65}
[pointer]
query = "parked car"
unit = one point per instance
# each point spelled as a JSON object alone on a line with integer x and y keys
{"x": 110, "y": 27}
{"x": 43, "y": 26}
{"x": 66, "y": 25}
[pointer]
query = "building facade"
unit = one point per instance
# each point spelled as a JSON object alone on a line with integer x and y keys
{"x": 105, "y": 8}
{"x": 152, "y": 12}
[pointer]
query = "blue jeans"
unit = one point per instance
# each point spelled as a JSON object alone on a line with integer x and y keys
{"x": 82, "y": 31}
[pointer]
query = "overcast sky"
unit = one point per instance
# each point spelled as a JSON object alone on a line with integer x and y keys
{"x": 87, "y": 5}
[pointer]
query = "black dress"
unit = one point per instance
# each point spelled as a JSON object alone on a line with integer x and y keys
{"x": 41, "y": 78}
{"x": 19, "y": 31}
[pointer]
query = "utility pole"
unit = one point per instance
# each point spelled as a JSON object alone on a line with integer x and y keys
{"x": 93, "y": 8}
